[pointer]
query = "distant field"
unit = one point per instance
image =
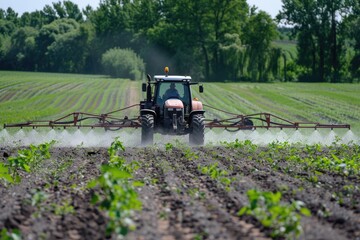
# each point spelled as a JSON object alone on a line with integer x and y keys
{"x": 289, "y": 48}
{"x": 319, "y": 102}
{"x": 34, "y": 96}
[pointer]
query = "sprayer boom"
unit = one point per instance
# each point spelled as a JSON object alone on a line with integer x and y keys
{"x": 265, "y": 120}
{"x": 107, "y": 121}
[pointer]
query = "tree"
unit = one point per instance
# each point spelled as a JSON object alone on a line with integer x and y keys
{"x": 234, "y": 52}
{"x": 61, "y": 46}
{"x": 88, "y": 11}
{"x": 11, "y": 16}
{"x": 49, "y": 13}
{"x": 123, "y": 63}
{"x": 354, "y": 32}
{"x": 259, "y": 32}
{"x": 317, "y": 24}
{"x": 2, "y": 14}
{"x": 198, "y": 28}
{"x": 36, "y": 19}
{"x": 6, "y": 27}
{"x": 113, "y": 23}
{"x": 23, "y": 48}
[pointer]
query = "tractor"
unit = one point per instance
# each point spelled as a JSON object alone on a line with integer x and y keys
{"x": 170, "y": 109}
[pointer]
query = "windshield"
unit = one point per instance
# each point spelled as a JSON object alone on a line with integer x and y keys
{"x": 177, "y": 90}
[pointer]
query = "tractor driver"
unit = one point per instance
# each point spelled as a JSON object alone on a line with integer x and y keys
{"x": 171, "y": 92}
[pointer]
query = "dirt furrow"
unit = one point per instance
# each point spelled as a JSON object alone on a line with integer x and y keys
{"x": 179, "y": 199}
{"x": 220, "y": 204}
{"x": 316, "y": 197}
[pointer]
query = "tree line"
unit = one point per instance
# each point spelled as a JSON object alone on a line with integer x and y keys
{"x": 212, "y": 40}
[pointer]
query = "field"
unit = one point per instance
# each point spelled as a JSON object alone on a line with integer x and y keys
{"x": 227, "y": 189}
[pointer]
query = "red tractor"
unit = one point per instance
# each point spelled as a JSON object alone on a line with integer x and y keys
{"x": 170, "y": 109}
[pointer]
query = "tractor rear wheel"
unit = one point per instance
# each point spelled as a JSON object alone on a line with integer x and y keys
{"x": 197, "y": 134}
{"x": 147, "y": 129}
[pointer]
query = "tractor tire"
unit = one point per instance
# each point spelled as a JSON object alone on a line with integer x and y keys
{"x": 147, "y": 129}
{"x": 197, "y": 134}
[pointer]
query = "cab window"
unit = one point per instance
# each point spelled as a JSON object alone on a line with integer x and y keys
{"x": 181, "y": 88}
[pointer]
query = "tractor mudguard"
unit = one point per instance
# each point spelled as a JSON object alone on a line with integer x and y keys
{"x": 147, "y": 111}
{"x": 196, "y": 112}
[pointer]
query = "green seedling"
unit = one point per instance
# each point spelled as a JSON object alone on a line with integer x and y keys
{"x": 196, "y": 193}
{"x": 26, "y": 160}
{"x": 119, "y": 198}
{"x": 213, "y": 171}
{"x": 217, "y": 174}
{"x": 190, "y": 155}
{"x": 14, "y": 234}
{"x": 30, "y": 158}
{"x": 115, "y": 147}
{"x": 169, "y": 147}
{"x": 63, "y": 209}
{"x": 4, "y": 174}
{"x": 237, "y": 144}
{"x": 38, "y": 197}
{"x": 283, "y": 219}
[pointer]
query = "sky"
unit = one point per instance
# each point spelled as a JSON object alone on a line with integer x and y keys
{"x": 21, "y": 6}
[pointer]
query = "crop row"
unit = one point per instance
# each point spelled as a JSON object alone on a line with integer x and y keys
{"x": 327, "y": 103}
{"x": 30, "y": 96}
{"x": 115, "y": 190}
{"x": 48, "y": 96}
{"x": 224, "y": 170}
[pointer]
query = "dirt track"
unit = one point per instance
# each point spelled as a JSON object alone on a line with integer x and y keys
{"x": 179, "y": 202}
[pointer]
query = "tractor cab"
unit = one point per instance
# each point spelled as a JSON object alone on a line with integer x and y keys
{"x": 170, "y": 109}
{"x": 172, "y": 92}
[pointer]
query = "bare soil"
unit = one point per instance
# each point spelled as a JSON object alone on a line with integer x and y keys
{"x": 179, "y": 202}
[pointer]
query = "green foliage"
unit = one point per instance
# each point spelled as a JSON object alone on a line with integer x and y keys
{"x": 63, "y": 209}
{"x": 283, "y": 219}
{"x": 14, "y": 234}
{"x": 34, "y": 96}
{"x": 190, "y": 155}
{"x": 169, "y": 147}
{"x": 119, "y": 198}
{"x": 219, "y": 40}
{"x": 61, "y": 44}
{"x": 31, "y": 157}
{"x": 196, "y": 193}
{"x": 123, "y": 63}
{"x": 27, "y": 160}
{"x": 38, "y": 197}
{"x": 5, "y": 173}
{"x": 115, "y": 147}
{"x": 217, "y": 174}
{"x": 243, "y": 145}
{"x": 259, "y": 32}
{"x": 320, "y": 35}
{"x": 119, "y": 162}
{"x": 346, "y": 166}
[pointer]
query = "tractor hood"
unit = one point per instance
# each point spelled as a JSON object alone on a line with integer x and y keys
{"x": 174, "y": 103}
{"x": 197, "y": 105}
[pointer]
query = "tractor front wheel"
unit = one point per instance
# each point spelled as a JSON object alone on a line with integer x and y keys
{"x": 197, "y": 134}
{"x": 147, "y": 129}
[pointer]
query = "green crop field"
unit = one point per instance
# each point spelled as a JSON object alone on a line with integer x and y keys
{"x": 28, "y": 96}
{"x": 36, "y": 96}
{"x": 320, "y": 102}
{"x": 288, "y": 47}
{"x": 106, "y": 185}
